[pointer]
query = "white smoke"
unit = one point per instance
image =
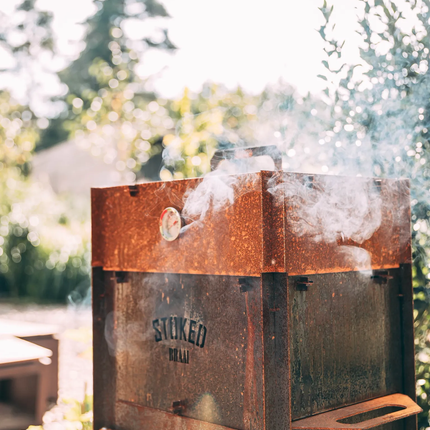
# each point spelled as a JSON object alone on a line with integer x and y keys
{"x": 214, "y": 193}
{"x": 331, "y": 209}
{"x": 334, "y": 209}
{"x": 357, "y": 256}
{"x": 124, "y": 337}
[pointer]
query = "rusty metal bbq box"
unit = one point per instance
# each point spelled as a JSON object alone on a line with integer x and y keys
{"x": 254, "y": 318}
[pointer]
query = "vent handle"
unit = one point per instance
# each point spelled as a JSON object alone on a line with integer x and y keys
{"x": 247, "y": 152}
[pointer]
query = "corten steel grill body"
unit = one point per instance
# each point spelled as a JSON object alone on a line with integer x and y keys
{"x": 241, "y": 323}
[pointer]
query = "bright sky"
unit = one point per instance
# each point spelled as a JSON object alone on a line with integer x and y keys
{"x": 246, "y": 42}
{"x": 249, "y": 42}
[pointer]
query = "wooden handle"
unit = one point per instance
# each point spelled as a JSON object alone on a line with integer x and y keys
{"x": 238, "y": 153}
{"x": 330, "y": 420}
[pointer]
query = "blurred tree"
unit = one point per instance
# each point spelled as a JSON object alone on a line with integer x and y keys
{"x": 74, "y": 414}
{"x": 25, "y": 37}
{"x": 381, "y": 119}
{"x": 43, "y": 245}
{"x": 180, "y": 136}
{"x": 110, "y": 52}
{"x": 217, "y": 117}
{"x": 120, "y": 123}
{"x": 28, "y": 33}
{"x": 205, "y": 121}
{"x": 106, "y": 41}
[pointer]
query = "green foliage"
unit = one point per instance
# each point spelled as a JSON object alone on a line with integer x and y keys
{"x": 120, "y": 123}
{"x": 204, "y": 122}
{"x": 80, "y": 413}
{"x": 43, "y": 248}
{"x": 25, "y": 39}
{"x": 382, "y": 121}
{"x": 29, "y": 35}
{"x": 216, "y": 117}
{"x": 106, "y": 41}
{"x": 75, "y": 415}
{"x": 108, "y": 60}
{"x": 179, "y": 137}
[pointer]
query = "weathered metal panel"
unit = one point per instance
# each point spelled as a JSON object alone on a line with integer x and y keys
{"x": 408, "y": 345}
{"x": 126, "y": 234}
{"x": 276, "y": 348}
{"x": 403, "y": 198}
{"x": 254, "y": 234}
{"x": 211, "y": 372}
{"x": 277, "y": 379}
{"x": 319, "y": 205}
{"x": 345, "y": 341}
{"x": 105, "y": 374}
{"x": 273, "y": 224}
{"x": 344, "y": 335}
{"x": 132, "y": 417}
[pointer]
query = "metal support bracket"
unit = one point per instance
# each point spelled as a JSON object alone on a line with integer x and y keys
{"x": 179, "y": 407}
{"x": 336, "y": 420}
{"x": 133, "y": 190}
{"x": 121, "y": 277}
{"x": 381, "y": 276}
{"x": 245, "y": 285}
{"x": 303, "y": 283}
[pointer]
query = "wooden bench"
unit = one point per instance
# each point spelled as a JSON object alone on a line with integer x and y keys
{"x": 28, "y": 371}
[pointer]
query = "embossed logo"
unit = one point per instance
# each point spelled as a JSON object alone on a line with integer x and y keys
{"x": 182, "y": 329}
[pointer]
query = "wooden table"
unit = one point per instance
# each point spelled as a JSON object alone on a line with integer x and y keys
{"x": 28, "y": 367}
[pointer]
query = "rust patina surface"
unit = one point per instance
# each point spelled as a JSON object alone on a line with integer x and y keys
{"x": 257, "y": 233}
{"x": 271, "y": 312}
{"x": 126, "y": 234}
